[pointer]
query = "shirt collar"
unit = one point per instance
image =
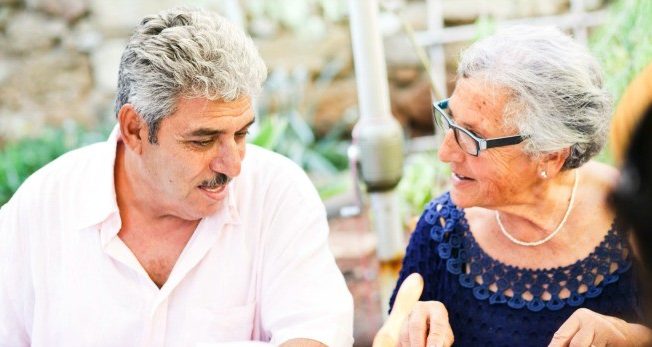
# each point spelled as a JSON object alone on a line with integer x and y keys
{"x": 232, "y": 206}
{"x": 96, "y": 192}
{"x": 98, "y": 197}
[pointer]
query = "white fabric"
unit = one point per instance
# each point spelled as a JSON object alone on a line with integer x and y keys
{"x": 259, "y": 269}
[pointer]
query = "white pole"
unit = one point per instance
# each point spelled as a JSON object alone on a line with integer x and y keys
{"x": 233, "y": 11}
{"x": 435, "y": 13}
{"x": 378, "y": 141}
{"x": 368, "y": 52}
{"x": 580, "y": 30}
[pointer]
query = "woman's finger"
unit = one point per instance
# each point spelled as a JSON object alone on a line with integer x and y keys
{"x": 404, "y": 335}
{"x": 418, "y": 325}
{"x": 584, "y": 338}
{"x": 566, "y": 331}
{"x": 608, "y": 332}
{"x": 441, "y": 333}
{"x": 406, "y": 298}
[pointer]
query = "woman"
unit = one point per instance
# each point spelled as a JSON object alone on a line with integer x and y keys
{"x": 524, "y": 237}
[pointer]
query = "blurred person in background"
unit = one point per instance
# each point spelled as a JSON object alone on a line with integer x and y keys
{"x": 631, "y": 107}
{"x": 525, "y": 238}
{"x": 632, "y": 200}
{"x": 167, "y": 234}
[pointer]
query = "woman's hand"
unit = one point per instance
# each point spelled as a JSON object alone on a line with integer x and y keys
{"x": 427, "y": 326}
{"x": 587, "y": 328}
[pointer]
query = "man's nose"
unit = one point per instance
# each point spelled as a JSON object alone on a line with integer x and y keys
{"x": 228, "y": 159}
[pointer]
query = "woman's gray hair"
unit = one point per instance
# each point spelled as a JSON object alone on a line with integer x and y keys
{"x": 557, "y": 95}
{"x": 186, "y": 53}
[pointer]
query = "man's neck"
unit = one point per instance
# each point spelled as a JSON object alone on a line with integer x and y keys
{"x": 156, "y": 239}
{"x": 135, "y": 211}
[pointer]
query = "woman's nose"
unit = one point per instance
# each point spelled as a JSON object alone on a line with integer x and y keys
{"x": 450, "y": 151}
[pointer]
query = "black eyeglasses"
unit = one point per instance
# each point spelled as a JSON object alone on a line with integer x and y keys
{"x": 468, "y": 141}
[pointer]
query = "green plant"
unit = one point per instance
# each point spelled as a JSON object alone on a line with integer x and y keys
{"x": 293, "y": 137}
{"x": 323, "y": 158}
{"x": 623, "y": 44}
{"x": 424, "y": 178}
{"x": 285, "y": 126}
{"x": 18, "y": 160}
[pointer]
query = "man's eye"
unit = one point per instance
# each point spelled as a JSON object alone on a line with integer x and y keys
{"x": 202, "y": 143}
{"x": 242, "y": 134}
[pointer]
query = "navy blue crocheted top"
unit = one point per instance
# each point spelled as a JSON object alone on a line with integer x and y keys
{"x": 513, "y": 306}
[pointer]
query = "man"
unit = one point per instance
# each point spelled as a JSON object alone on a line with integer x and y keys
{"x": 166, "y": 234}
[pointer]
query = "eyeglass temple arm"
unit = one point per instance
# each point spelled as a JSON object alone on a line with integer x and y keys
{"x": 504, "y": 141}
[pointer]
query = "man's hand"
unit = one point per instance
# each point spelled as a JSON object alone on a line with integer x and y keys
{"x": 585, "y": 328}
{"x": 427, "y": 325}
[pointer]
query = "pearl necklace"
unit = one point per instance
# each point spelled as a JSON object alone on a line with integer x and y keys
{"x": 552, "y": 234}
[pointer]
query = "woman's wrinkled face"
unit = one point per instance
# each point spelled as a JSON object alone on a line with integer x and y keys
{"x": 497, "y": 176}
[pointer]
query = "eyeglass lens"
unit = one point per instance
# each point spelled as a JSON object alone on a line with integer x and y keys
{"x": 467, "y": 143}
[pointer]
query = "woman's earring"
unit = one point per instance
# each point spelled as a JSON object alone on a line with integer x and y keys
{"x": 543, "y": 174}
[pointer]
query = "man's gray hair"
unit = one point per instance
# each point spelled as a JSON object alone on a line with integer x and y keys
{"x": 557, "y": 94}
{"x": 186, "y": 53}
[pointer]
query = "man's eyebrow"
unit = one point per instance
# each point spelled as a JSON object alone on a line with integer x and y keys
{"x": 252, "y": 121}
{"x": 204, "y": 132}
{"x": 212, "y": 132}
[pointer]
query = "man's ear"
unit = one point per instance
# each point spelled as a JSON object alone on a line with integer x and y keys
{"x": 553, "y": 162}
{"x": 132, "y": 128}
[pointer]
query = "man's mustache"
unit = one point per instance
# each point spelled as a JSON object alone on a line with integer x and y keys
{"x": 220, "y": 179}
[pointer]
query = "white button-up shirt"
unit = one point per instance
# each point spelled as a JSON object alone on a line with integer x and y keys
{"x": 258, "y": 269}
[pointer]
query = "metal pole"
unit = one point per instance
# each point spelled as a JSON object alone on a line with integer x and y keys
{"x": 580, "y": 30}
{"x": 377, "y": 140}
{"x": 437, "y": 58}
{"x": 368, "y": 53}
{"x": 233, "y": 11}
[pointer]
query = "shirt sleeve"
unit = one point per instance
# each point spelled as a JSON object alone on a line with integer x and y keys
{"x": 15, "y": 279}
{"x": 304, "y": 294}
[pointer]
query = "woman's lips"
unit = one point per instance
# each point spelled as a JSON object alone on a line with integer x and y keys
{"x": 462, "y": 177}
{"x": 458, "y": 180}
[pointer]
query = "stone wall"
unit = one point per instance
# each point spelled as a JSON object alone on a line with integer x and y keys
{"x": 59, "y": 58}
